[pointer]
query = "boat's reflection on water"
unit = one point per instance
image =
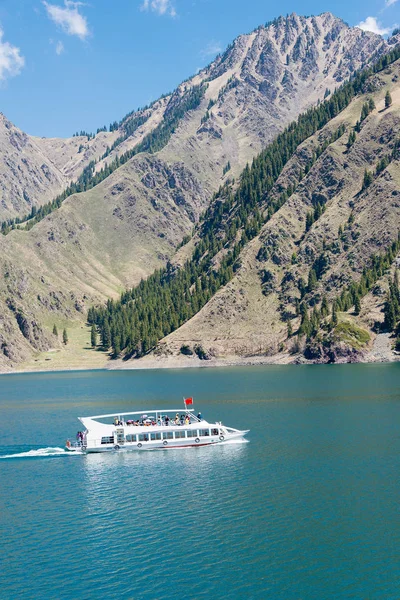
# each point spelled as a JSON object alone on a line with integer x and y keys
{"x": 201, "y": 457}
{"x": 151, "y": 479}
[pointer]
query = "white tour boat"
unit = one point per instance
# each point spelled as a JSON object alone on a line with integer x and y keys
{"x": 159, "y": 429}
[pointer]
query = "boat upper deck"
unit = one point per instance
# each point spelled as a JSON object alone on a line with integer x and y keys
{"x": 142, "y": 421}
{"x": 152, "y": 412}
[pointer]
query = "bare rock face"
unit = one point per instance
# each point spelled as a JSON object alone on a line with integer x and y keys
{"x": 27, "y": 177}
{"x": 111, "y": 236}
{"x": 250, "y": 314}
{"x": 262, "y": 81}
{"x": 337, "y": 352}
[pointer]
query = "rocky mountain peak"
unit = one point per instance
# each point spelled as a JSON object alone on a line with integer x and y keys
{"x": 308, "y": 46}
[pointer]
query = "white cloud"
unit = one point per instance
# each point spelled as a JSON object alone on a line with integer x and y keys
{"x": 390, "y": 2}
{"x": 211, "y": 49}
{"x": 59, "y": 48}
{"x": 11, "y": 61}
{"x": 161, "y": 7}
{"x": 372, "y": 24}
{"x": 68, "y": 18}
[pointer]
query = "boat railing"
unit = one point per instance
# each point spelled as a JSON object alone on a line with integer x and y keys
{"x": 169, "y": 424}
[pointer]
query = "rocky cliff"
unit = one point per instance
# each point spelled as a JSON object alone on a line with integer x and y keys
{"x": 250, "y": 315}
{"x": 262, "y": 81}
{"x": 109, "y": 237}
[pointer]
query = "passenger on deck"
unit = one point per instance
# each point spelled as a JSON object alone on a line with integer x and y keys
{"x": 200, "y": 418}
{"x": 167, "y": 420}
{"x": 177, "y": 419}
{"x": 187, "y": 420}
{"x": 182, "y": 419}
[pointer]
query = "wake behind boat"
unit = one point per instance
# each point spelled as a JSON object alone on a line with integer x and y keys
{"x": 160, "y": 429}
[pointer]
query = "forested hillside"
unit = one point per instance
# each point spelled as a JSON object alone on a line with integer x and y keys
{"x": 173, "y": 176}
{"x": 309, "y": 305}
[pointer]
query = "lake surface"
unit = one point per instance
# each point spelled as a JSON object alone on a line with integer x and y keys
{"x": 308, "y": 509}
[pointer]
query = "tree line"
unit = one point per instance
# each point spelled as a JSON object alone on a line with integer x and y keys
{"x": 351, "y": 296}
{"x": 169, "y": 297}
{"x": 152, "y": 142}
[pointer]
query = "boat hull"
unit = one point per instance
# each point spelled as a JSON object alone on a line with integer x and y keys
{"x": 164, "y": 445}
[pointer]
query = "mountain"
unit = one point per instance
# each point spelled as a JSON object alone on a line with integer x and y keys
{"x": 259, "y": 84}
{"x": 250, "y": 315}
{"x": 149, "y": 180}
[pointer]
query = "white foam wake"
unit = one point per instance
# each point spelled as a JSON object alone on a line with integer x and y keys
{"x": 40, "y": 452}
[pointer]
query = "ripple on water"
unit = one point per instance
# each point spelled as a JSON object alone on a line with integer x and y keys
{"x": 307, "y": 509}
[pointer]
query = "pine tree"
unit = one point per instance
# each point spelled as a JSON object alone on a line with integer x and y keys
{"x": 334, "y": 320}
{"x": 324, "y": 307}
{"x": 305, "y": 326}
{"x": 388, "y": 99}
{"x": 390, "y": 314}
{"x": 357, "y": 305}
{"x": 65, "y": 337}
{"x": 368, "y": 179}
{"x": 396, "y": 281}
{"x": 117, "y": 347}
{"x": 309, "y": 220}
{"x": 93, "y": 336}
{"x": 312, "y": 280}
{"x": 106, "y": 336}
{"x": 364, "y": 111}
{"x": 289, "y": 329}
{"x": 352, "y": 139}
{"x": 55, "y": 331}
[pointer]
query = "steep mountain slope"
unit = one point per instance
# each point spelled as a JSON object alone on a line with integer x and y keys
{"x": 27, "y": 175}
{"x": 35, "y": 170}
{"x": 249, "y": 316}
{"x": 259, "y": 84}
{"x": 107, "y": 238}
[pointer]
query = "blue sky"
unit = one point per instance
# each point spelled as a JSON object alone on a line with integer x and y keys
{"x": 67, "y": 66}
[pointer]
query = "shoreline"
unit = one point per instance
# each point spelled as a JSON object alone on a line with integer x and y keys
{"x": 178, "y": 362}
{"x": 152, "y": 363}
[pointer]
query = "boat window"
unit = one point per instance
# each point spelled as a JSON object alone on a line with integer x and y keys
{"x": 155, "y": 436}
{"x": 143, "y": 437}
{"x": 180, "y": 434}
{"x": 130, "y": 437}
{"x": 192, "y": 433}
{"x": 168, "y": 435}
{"x": 214, "y": 431}
{"x": 204, "y": 432}
{"x": 107, "y": 440}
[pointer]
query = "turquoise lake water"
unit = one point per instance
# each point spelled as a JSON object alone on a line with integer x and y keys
{"x": 308, "y": 509}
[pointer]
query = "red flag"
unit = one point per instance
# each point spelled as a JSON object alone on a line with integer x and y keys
{"x": 188, "y": 401}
